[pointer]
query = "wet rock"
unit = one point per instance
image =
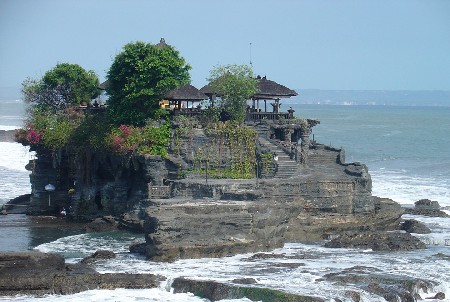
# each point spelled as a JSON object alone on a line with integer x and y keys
{"x": 377, "y": 241}
{"x": 215, "y": 291}
{"x": 355, "y": 296}
{"x": 442, "y": 256}
{"x": 35, "y": 273}
{"x": 102, "y": 224}
{"x": 414, "y": 226}
{"x": 18, "y": 205}
{"x": 390, "y": 287}
{"x": 260, "y": 256}
{"x": 99, "y": 255}
{"x": 245, "y": 281}
{"x": 426, "y": 207}
{"x": 438, "y": 296}
{"x": 426, "y": 204}
{"x": 137, "y": 247}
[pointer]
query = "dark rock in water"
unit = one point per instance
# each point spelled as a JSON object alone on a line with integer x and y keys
{"x": 18, "y": 205}
{"x": 99, "y": 255}
{"x": 245, "y": 281}
{"x": 414, "y": 226}
{"x": 377, "y": 241}
{"x": 215, "y": 291}
{"x": 35, "y": 273}
{"x": 103, "y": 224}
{"x": 438, "y": 296}
{"x": 137, "y": 247}
{"x": 426, "y": 204}
{"x": 442, "y": 256}
{"x": 390, "y": 287}
{"x": 426, "y": 207}
{"x": 425, "y": 212}
{"x": 355, "y": 296}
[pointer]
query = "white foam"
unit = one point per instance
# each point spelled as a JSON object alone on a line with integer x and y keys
{"x": 407, "y": 190}
{"x": 7, "y": 127}
{"x": 14, "y": 156}
{"x": 154, "y": 294}
{"x": 79, "y": 246}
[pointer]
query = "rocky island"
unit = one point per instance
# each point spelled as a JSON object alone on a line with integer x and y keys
{"x": 308, "y": 193}
{"x": 198, "y": 180}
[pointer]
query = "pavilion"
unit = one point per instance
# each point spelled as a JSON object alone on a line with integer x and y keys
{"x": 185, "y": 97}
{"x": 267, "y": 91}
{"x": 270, "y": 90}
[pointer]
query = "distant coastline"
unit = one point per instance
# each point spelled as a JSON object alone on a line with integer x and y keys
{"x": 373, "y": 97}
{"x": 332, "y": 97}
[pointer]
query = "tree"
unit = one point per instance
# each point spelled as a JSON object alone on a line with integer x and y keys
{"x": 138, "y": 79}
{"x": 235, "y": 84}
{"x": 64, "y": 85}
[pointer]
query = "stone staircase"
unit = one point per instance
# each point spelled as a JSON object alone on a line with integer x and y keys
{"x": 287, "y": 167}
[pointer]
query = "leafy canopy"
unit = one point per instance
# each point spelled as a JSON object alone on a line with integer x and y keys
{"x": 235, "y": 84}
{"x": 64, "y": 85}
{"x": 138, "y": 79}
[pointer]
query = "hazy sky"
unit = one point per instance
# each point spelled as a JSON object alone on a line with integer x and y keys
{"x": 373, "y": 44}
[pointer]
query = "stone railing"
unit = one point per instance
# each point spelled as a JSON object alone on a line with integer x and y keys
{"x": 159, "y": 191}
{"x": 255, "y": 116}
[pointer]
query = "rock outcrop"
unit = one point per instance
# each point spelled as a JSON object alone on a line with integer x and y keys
{"x": 414, "y": 226}
{"x": 193, "y": 216}
{"x": 377, "y": 241}
{"x": 426, "y": 207}
{"x": 390, "y": 287}
{"x": 215, "y": 291}
{"x": 38, "y": 274}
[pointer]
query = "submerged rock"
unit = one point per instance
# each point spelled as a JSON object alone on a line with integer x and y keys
{"x": 35, "y": 273}
{"x": 103, "y": 224}
{"x": 414, "y": 226}
{"x": 391, "y": 287}
{"x": 99, "y": 255}
{"x": 377, "y": 241}
{"x": 215, "y": 291}
{"x": 438, "y": 296}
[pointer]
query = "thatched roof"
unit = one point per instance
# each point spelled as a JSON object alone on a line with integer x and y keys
{"x": 104, "y": 85}
{"x": 272, "y": 90}
{"x": 186, "y": 93}
{"x": 267, "y": 90}
{"x": 162, "y": 44}
{"x": 207, "y": 89}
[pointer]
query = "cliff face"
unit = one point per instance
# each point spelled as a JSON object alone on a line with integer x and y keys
{"x": 93, "y": 184}
{"x": 315, "y": 197}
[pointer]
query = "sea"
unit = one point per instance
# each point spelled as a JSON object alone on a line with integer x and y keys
{"x": 406, "y": 146}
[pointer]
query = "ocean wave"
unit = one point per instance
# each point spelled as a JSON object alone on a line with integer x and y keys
{"x": 406, "y": 189}
{"x": 9, "y": 127}
{"x": 14, "y": 156}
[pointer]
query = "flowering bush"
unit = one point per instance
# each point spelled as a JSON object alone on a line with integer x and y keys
{"x": 149, "y": 139}
{"x": 29, "y": 136}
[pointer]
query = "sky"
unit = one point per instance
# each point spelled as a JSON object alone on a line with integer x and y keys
{"x": 303, "y": 44}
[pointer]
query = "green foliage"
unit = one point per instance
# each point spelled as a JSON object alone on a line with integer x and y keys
{"x": 64, "y": 85}
{"x": 234, "y": 84}
{"x": 52, "y": 131}
{"x": 150, "y": 139}
{"x": 231, "y": 153}
{"x": 266, "y": 162}
{"x": 91, "y": 134}
{"x": 183, "y": 132}
{"x": 138, "y": 79}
